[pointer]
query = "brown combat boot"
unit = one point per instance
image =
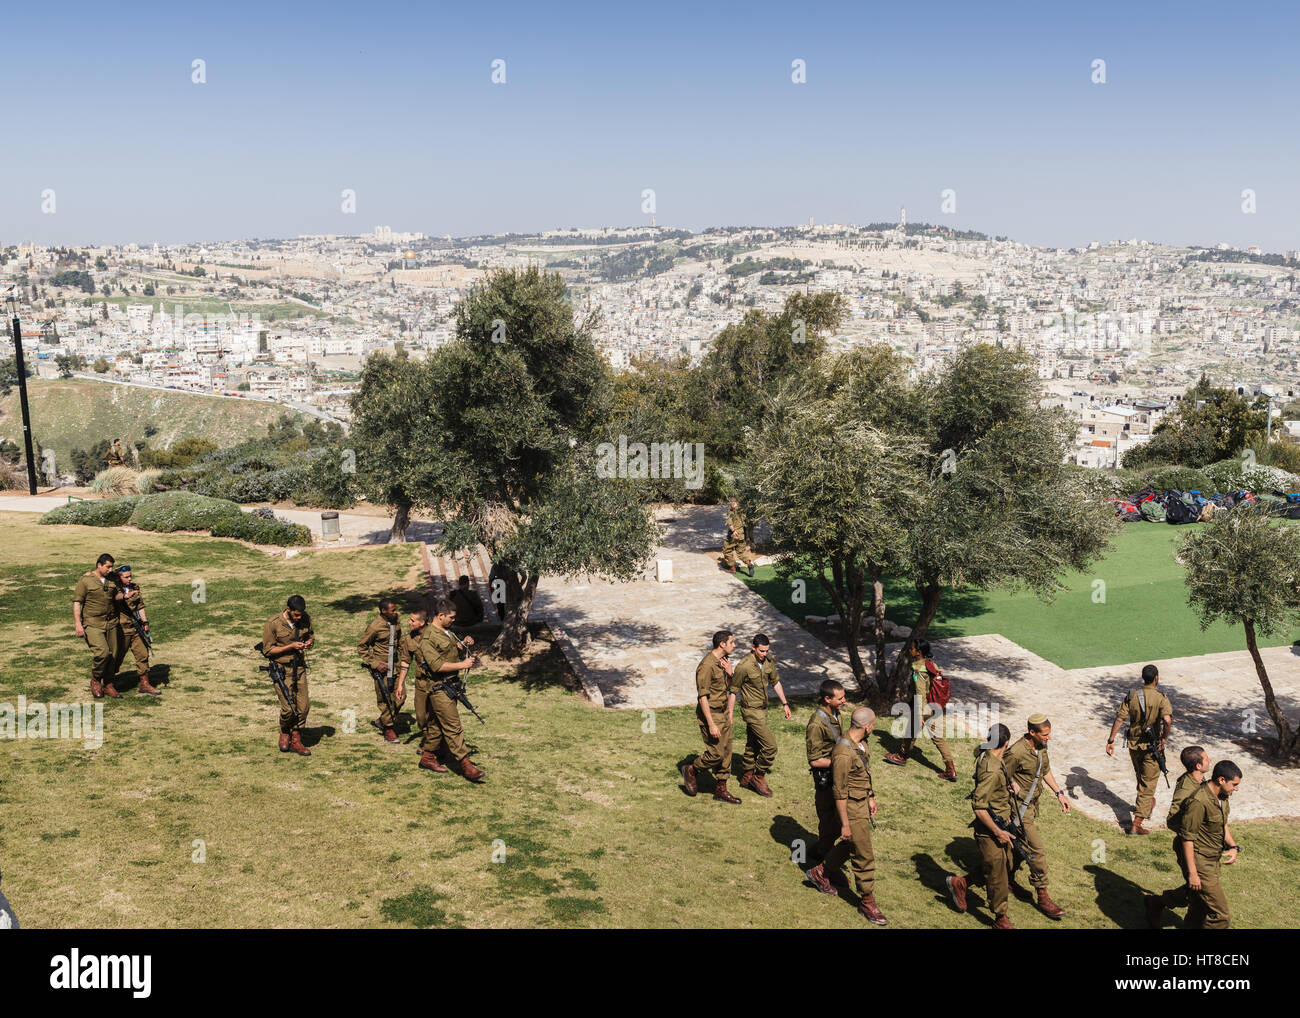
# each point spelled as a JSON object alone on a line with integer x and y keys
{"x": 284, "y": 742}
{"x": 896, "y": 759}
{"x": 110, "y": 691}
{"x": 1003, "y": 923}
{"x": 950, "y": 774}
{"x": 390, "y": 735}
{"x": 721, "y": 794}
{"x": 429, "y": 762}
{"x": 747, "y": 780}
{"x": 761, "y": 786}
{"x": 1048, "y": 907}
{"x": 867, "y": 906}
{"x": 1137, "y": 827}
{"x": 470, "y": 772}
{"x": 820, "y": 880}
{"x": 1154, "y": 909}
{"x": 295, "y": 744}
{"x": 688, "y": 779}
{"x": 146, "y": 687}
{"x": 957, "y": 892}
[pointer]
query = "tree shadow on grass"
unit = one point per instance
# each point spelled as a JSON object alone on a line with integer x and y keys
{"x": 1119, "y": 898}
{"x": 408, "y": 600}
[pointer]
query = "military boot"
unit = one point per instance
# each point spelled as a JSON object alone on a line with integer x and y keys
{"x": 957, "y": 892}
{"x": 1047, "y": 906}
{"x": 950, "y": 773}
{"x": 867, "y": 906}
{"x": 96, "y": 689}
{"x": 721, "y": 794}
{"x": 284, "y": 742}
{"x": 110, "y": 691}
{"x": 295, "y": 744}
{"x": 429, "y": 762}
{"x": 1003, "y": 923}
{"x": 820, "y": 880}
{"x": 897, "y": 759}
{"x": 761, "y": 786}
{"x": 470, "y": 772}
{"x": 390, "y": 735}
{"x": 1137, "y": 827}
{"x": 747, "y": 780}
{"x": 689, "y": 779}
{"x": 146, "y": 687}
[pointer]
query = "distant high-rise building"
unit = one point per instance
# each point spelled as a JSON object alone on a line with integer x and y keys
{"x": 902, "y": 220}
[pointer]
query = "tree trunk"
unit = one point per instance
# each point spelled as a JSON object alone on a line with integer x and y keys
{"x": 514, "y": 627}
{"x": 878, "y": 623}
{"x": 401, "y": 520}
{"x": 930, "y": 595}
{"x": 1286, "y": 737}
{"x": 841, "y": 601}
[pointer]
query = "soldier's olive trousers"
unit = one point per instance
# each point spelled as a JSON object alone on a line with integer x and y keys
{"x": 828, "y": 820}
{"x": 717, "y": 752}
{"x": 1148, "y": 773}
{"x": 995, "y": 870}
{"x": 1209, "y": 906}
{"x": 129, "y": 639}
{"x": 858, "y": 850}
{"x": 436, "y": 714}
{"x": 920, "y": 725}
{"x": 103, "y": 646}
{"x": 385, "y": 715}
{"x": 295, "y": 677}
{"x": 1179, "y": 897}
{"x": 1033, "y": 843}
{"x": 760, "y": 743}
{"x": 732, "y": 549}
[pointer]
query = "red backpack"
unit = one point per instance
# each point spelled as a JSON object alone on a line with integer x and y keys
{"x": 940, "y": 688}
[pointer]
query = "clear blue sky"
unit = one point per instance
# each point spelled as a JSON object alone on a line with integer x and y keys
{"x": 693, "y": 100}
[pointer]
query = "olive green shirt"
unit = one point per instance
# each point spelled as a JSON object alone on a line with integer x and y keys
{"x": 850, "y": 771}
{"x": 750, "y": 680}
{"x": 436, "y": 648}
{"x": 1184, "y": 788}
{"x": 822, "y": 734}
{"x": 735, "y": 526}
{"x": 279, "y": 631}
{"x": 712, "y": 681}
{"x": 373, "y": 646}
{"x": 1158, "y": 707}
{"x": 98, "y": 607}
{"x": 1022, "y": 762}
{"x": 407, "y": 647}
{"x": 992, "y": 790}
{"x": 1204, "y": 818}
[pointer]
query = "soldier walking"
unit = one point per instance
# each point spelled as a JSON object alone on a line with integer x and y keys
{"x": 436, "y": 657}
{"x": 920, "y": 712}
{"x": 128, "y": 636}
{"x": 94, "y": 618}
{"x": 285, "y": 639}
{"x": 717, "y": 703}
{"x": 1205, "y": 839}
{"x": 1030, "y": 769}
{"x": 991, "y": 802}
{"x": 1196, "y": 768}
{"x": 379, "y": 648}
{"x": 749, "y": 680}
{"x": 855, "y": 805}
{"x": 735, "y": 544}
{"x": 1150, "y": 716}
{"x": 820, "y": 736}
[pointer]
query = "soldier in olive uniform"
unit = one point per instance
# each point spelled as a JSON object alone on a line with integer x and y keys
{"x": 436, "y": 656}
{"x": 94, "y": 618}
{"x": 855, "y": 804}
{"x": 749, "y": 681}
{"x": 1196, "y": 768}
{"x": 1150, "y": 716}
{"x": 1029, "y": 768}
{"x": 735, "y": 544}
{"x": 820, "y": 737}
{"x": 991, "y": 802}
{"x": 285, "y": 638}
{"x": 920, "y": 712}
{"x": 116, "y": 458}
{"x": 128, "y": 637}
{"x": 380, "y": 647}
{"x": 1205, "y": 836}
{"x": 717, "y": 704}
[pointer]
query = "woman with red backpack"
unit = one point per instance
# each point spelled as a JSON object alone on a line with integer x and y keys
{"x": 930, "y": 690}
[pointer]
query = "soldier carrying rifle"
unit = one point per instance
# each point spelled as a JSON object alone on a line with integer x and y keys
{"x": 133, "y": 630}
{"x": 379, "y": 645}
{"x": 285, "y": 637}
{"x": 1150, "y": 715}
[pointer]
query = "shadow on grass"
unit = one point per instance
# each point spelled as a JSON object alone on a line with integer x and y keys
{"x": 354, "y": 604}
{"x": 313, "y": 736}
{"x": 1119, "y": 898}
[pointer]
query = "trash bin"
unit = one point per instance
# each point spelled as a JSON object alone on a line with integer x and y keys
{"x": 329, "y": 526}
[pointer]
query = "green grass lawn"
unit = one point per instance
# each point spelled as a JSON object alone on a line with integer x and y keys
{"x": 581, "y": 810}
{"x": 1131, "y": 606}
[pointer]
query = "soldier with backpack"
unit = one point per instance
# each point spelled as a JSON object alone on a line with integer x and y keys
{"x": 930, "y": 690}
{"x": 1150, "y": 716}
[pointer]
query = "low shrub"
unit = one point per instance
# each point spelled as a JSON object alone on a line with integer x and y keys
{"x": 1229, "y": 475}
{"x": 144, "y": 481}
{"x": 107, "y": 512}
{"x": 262, "y": 531}
{"x": 1182, "y": 479}
{"x": 181, "y": 510}
{"x": 115, "y": 481}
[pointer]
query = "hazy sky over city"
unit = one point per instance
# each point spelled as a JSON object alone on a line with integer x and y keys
{"x": 601, "y": 101}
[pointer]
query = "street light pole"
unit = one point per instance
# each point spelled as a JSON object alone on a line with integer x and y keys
{"x": 22, "y": 398}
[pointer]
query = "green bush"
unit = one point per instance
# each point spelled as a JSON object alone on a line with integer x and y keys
{"x": 108, "y": 512}
{"x": 259, "y": 531}
{"x": 1231, "y": 474}
{"x": 1183, "y": 479}
{"x": 181, "y": 510}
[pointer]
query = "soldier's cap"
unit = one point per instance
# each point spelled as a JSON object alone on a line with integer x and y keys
{"x": 1037, "y": 719}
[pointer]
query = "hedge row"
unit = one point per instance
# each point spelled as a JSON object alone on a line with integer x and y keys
{"x": 171, "y": 511}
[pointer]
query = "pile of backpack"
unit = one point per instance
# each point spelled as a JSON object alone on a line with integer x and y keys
{"x": 1179, "y": 507}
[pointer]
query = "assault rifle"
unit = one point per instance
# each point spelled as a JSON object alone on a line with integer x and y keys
{"x": 1158, "y": 755}
{"x": 1014, "y": 826}
{"x": 141, "y": 630}
{"x": 454, "y": 686}
{"x": 276, "y": 671}
{"x": 386, "y": 690}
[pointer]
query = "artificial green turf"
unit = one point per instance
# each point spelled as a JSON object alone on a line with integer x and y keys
{"x": 1138, "y": 613}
